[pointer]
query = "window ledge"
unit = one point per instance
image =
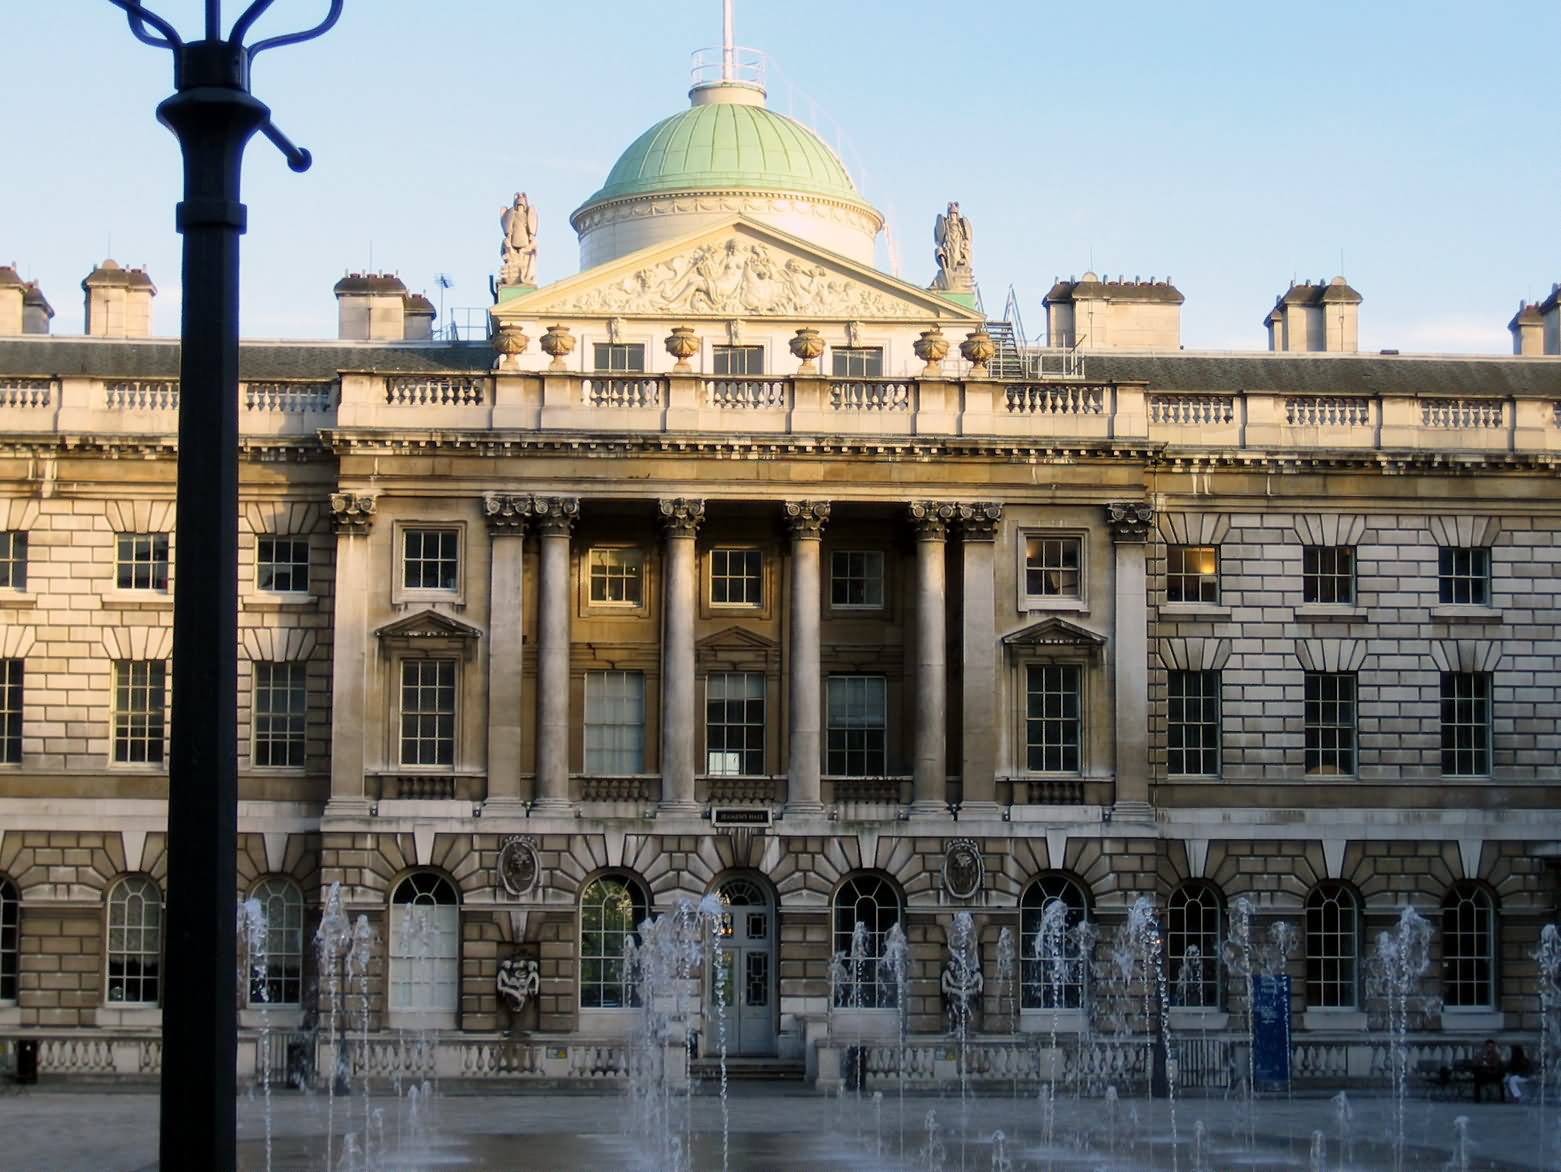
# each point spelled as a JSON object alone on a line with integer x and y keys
{"x": 130, "y": 1017}
{"x": 138, "y": 599}
{"x": 1325, "y": 1021}
{"x": 1473, "y": 1021}
{"x": 1454, "y": 612}
{"x": 1187, "y": 1019}
{"x": 1324, "y": 611}
{"x": 272, "y": 600}
{"x": 279, "y": 1017}
{"x": 1194, "y": 610}
{"x": 1046, "y": 1021}
{"x": 1065, "y": 605}
{"x": 18, "y": 599}
{"x": 422, "y": 1019}
{"x": 148, "y": 768}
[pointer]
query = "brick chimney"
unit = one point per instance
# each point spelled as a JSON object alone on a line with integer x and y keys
{"x": 420, "y": 314}
{"x": 119, "y": 302}
{"x": 1097, "y": 313}
{"x": 1528, "y": 330}
{"x": 1317, "y": 319}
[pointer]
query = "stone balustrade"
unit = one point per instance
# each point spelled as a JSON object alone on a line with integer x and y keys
{"x": 1071, "y": 411}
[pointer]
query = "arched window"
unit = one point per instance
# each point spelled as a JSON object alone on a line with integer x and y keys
{"x": 1469, "y": 948}
{"x": 425, "y": 945}
{"x": 10, "y": 950}
{"x": 135, "y": 941}
{"x": 276, "y": 975}
{"x": 612, "y": 907}
{"x": 861, "y": 979}
{"x": 1051, "y": 944}
{"x": 1332, "y": 947}
{"x": 1194, "y": 922}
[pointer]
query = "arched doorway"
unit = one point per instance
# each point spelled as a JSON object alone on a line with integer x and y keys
{"x": 744, "y": 971}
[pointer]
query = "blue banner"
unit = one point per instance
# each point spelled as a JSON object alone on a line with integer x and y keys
{"x": 1271, "y": 1031}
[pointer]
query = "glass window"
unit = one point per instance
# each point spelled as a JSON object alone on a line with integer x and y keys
{"x": 861, "y": 979}
{"x": 620, "y": 357}
{"x": 280, "y": 714}
{"x": 739, "y": 360}
{"x": 135, "y": 941}
{"x": 1332, "y": 947}
{"x": 617, "y": 577}
{"x": 11, "y": 671}
{"x": 139, "y": 696}
{"x": 1051, "y": 726}
{"x": 1193, "y": 939}
{"x": 1328, "y": 574}
{"x": 856, "y": 578}
{"x": 282, "y": 564}
{"x": 1054, "y": 958}
{"x": 430, "y": 559}
{"x": 858, "y": 726}
{"x": 428, "y": 712}
{"x": 276, "y": 974}
{"x": 1468, "y": 948}
{"x": 1330, "y": 723}
{"x": 10, "y": 938}
{"x": 611, "y": 911}
{"x": 1464, "y": 575}
{"x": 13, "y": 560}
{"x": 614, "y": 722}
{"x": 425, "y": 945}
{"x": 141, "y": 561}
{"x": 857, "y": 361}
{"x": 1466, "y": 724}
{"x": 1192, "y": 573}
{"x": 1051, "y": 566}
{"x": 734, "y": 723}
{"x": 736, "y": 577}
{"x": 1192, "y": 723}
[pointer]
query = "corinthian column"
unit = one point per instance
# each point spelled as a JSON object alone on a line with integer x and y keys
{"x": 1129, "y": 522}
{"x": 680, "y": 521}
{"x": 929, "y": 790}
{"x": 805, "y": 520}
{"x": 352, "y": 516}
{"x": 555, "y": 518}
{"x": 978, "y": 524}
{"x": 506, "y": 516}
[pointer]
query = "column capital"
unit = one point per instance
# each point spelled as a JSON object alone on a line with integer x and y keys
{"x": 1129, "y": 521}
{"x": 931, "y": 519}
{"x": 680, "y": 516}
{"x": 978, "y": 520}
{"x": 352, "y": 513}
{"x": 506, "y": 513}
{"x": 805, "y": 519}
{"x": 555, "y": 515}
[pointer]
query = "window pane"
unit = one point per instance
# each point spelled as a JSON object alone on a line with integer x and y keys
{"x": 430, "y": 559}
{"x": 856, "y": 578}
{"x": 1466, "y": 724}
{"x": 11, "y": 674}
{"x": 141, "y": 561}
{"x": 1468, "y": 947}
{"x": 620, "y": 357}
{"x": 617, "y": 576}
{"x": 1328, "y": 574}
{"x": 611, "y": 910}
{"x": 1051, "y": 566}
{"x": 856, "y": 738}
{"x": 857, "y": 362}
{"x": 1463, "y": 575}
{"x": 861, "y": 980}
{"x": 282, "y": 564}
{"x": 734, "y": 723}
{"x": 739, "y": 360}
{"x": 1052, "y": 719}
{"x": 1193, "y": 941}
{"x": 134, "y": 958}
{"x": 280, "y": 709}
{"x": 1330, "y": 723}
{"x": 614, "y": 722}
{"x": 1332, "y": 947}
{"x": 1054, "y": 957}
{"x": 1192, "y": 723}
{"x": 1192, "y": 573}
{"x": 736, "y": 577}
{"x": 139, "y": 687}
{"x": 13, "y": 560}
{"x": 428, "y": 712}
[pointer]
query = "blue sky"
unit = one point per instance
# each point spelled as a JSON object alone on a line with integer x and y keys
{"x": 1232, "y": 146}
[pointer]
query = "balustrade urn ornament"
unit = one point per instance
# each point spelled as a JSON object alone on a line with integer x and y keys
{"x": 978, "y": 349}
{"x": 510, "y": 341}
{"x": 807, "y": 345}
{"x": 682, "y": 345}
{"x": 558, "y": 343}
{"x": 932, "y": 348}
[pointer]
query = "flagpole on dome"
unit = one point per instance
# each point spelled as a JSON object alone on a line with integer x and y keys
{"x": 728, "y": 45}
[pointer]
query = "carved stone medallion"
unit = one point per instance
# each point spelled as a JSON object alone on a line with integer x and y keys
{"x": 963, "y": 870}
{"x": 518, "y": 868}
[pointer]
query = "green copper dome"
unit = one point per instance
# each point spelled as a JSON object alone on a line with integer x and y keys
{"x": 727, "y": 145}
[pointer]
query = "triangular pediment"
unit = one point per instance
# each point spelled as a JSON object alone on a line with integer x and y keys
{"x": 1055, "y": 632}
{"x": 736, "y": 268}
{"x": 736, "y": 639}
{"x": 428, "y": 624}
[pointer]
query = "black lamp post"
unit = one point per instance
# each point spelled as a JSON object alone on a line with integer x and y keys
{"x": 213, "y": 115}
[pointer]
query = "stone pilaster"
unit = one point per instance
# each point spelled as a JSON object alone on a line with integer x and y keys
{"x": 1129, "y": 522}
{"x": 352, "y": 518}
{"x": 930, "y": 520}
{"x": 680, "y": 520}
{"x": 978, "y": 525}
{"x": 805, "y": 520}
{"x": 506, "y": 516}
{"x": 555, "y": 520}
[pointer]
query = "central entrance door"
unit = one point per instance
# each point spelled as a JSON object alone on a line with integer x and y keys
{"x": 743, "y": 991}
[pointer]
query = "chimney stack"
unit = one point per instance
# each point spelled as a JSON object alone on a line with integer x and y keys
{"x": 376, "y": 307}
{"x": 1096, "y": 313}
{"x": 23, "y": 307}
{"x": 1315, "y": 319}
{"x": 1528, "y": 330}
{"x": 420, "y": 314}
{"x": 119, "y": 302}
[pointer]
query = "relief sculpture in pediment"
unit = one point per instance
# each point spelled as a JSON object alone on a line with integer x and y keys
{"x": 734, "y": 277}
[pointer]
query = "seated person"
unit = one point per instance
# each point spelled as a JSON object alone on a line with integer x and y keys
{"x": 1487, "y": 1068}
{"x": 1518, "y": 1066}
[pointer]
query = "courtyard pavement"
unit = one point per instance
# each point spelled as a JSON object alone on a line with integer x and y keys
{"x": 783, "y": 1127}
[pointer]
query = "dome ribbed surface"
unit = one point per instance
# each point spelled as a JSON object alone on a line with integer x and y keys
{"x": 726, "y": 146}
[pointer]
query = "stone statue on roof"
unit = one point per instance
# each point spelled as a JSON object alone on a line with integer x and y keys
{"x": 951, "y": 233}
{"x": 519, "y": 251}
